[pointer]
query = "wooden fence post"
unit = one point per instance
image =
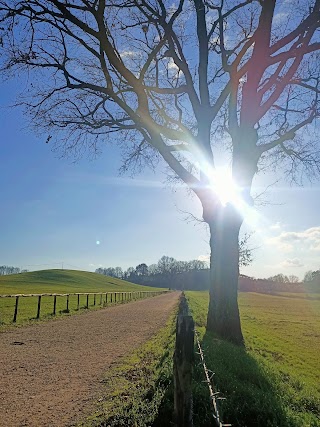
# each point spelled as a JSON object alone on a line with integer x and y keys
{"x": 100, "y": 299}
{"x": 39, "y": 307}
{"x": 94, "y": 299}
{"x": 183, "y": 368}
{"x": 87, "y": 301}
{"x": 78, "y": 305}
{"x": 54, "y": 304}
{"x": 67, "y": 308}
{"x": 16, "y": 310}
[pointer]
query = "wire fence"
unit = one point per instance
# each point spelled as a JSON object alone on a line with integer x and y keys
{"x": 183, "y": 371}
{"x": 214, "y": 395}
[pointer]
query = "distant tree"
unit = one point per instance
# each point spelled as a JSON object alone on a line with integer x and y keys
{"x": 308, "y": 277}
{"x": 130, "y": 273}
{"x": 197, "y": 265}
{"x": 142, "y": 270}
{"x": 293, "y": 279}
{"x": 166, "y": 265}
{"x": 312, "y": 277}
{"x": 118, "y": 272}
{"x": 7, "y": 269}
{"x": 153, "y": 269}
{"x": 110, "y": 271}
{"x": 279, "y": 278}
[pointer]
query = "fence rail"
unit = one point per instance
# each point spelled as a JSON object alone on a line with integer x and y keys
{"x": 105, "y": 298}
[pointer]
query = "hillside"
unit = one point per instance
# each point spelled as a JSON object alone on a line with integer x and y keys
{"x": 63, "y": 281}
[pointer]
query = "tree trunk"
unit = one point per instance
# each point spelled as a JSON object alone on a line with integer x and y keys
{"x": 223, "y": 315}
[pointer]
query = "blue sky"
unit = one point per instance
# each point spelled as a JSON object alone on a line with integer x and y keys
{"x": 53, "y": 211}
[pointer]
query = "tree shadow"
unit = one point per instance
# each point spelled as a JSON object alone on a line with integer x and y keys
{"x": 251, "y": 396}
{"x": 165, "y": 410}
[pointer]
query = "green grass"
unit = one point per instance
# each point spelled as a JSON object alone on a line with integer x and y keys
{"x": 275, "y": 380}
{"x": 138, "y": 390}
{"x": 54, "y": 281}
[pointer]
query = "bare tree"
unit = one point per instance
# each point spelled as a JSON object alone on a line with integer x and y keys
{"x": 177, "y": 81}
{"x": 293, "y": 278}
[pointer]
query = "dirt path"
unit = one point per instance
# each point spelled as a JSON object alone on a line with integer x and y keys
{"x": 50, "y": 372}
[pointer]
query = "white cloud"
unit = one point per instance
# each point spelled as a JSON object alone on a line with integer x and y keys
{"x": 129, "y": 54}
{"x": 290, "y": 240}
{"x": 205, "y": 258}
{"x": 172, "y": 65}
{"x": 173, "y": 69}
{"x": 276, "y": 226}
{"x": 291, "y": 262}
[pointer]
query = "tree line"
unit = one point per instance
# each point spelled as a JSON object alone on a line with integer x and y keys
{"x": 195, "y": 275}
{"x": 7, "y": 269}
{"x": 312, "y": 277}
{"x": 165, "y": 269}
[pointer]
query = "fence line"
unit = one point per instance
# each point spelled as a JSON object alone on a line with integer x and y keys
{"x": 183, "y": 361}
{"x": 115, "y": 297}
{"x": 83, "y": 293}
{"x": 213, "y": 394}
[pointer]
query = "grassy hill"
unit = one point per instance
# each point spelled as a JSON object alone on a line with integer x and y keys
{"x": 63, "y": 281}
{"x": 59, "y": 282}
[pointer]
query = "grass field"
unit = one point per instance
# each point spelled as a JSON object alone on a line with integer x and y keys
{"x": 54, "y": 281}
{"x": 138, "y": 390}
{"x": 275, "y": 381}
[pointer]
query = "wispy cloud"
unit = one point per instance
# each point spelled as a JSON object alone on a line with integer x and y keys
{"x": 290, "y": 240}
{"x": 275, "y": 227}
{"x": 130, "y": 54}
{"x": 291, "y": 262}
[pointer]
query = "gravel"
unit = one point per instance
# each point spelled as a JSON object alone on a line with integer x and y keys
{"x": 50, "y": 372}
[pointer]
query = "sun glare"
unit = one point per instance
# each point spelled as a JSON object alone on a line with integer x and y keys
{"x": 226, "y": 189}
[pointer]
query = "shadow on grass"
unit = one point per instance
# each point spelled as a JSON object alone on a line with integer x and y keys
{"x": 251, "y": 396}
{"x": 165, "y": 410}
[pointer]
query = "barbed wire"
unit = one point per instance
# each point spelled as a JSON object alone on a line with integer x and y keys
{"x": 214, "y": 395}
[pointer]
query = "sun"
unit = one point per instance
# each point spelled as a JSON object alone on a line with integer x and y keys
{"x": 229, "y": 192}
{"x": 225, "y": 188}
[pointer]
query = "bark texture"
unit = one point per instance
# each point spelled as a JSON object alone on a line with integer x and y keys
{"x": 223, "y": 315}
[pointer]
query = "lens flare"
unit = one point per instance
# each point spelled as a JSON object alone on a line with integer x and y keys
{"x": 228, "y": 191}
{"x": 225, "y": 188}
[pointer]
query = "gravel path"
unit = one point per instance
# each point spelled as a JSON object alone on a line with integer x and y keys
{"x": 50, "y": 372}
